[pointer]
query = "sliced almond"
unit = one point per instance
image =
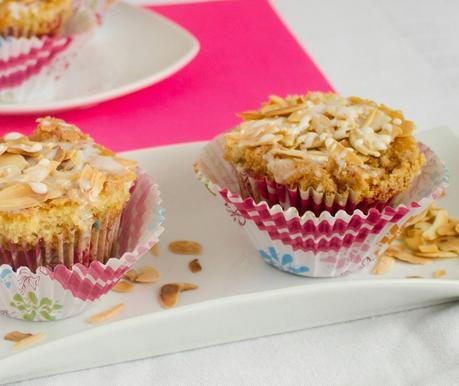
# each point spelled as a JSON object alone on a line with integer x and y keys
{"x": 169, "y": 294}
{"x": 450, "y": 244}
{"x": 406, "y": 256}
{"x": 16, "y": 336}
{"x": 131, "y": 275}
{"x": 447, "y": 230}
{"x": 123, "y": 286}
{"x": 441, "y": 219}
{"x": 414, "y": 240}
{"x": 19, "y": 196}
{"x": 92, "y": 181}
{"x": 423, "y": 226}
{"x": 25, "y": 147}
{"x": 437, "y": 255}
{"x": 195, "y": 266}
{"x": 185, "y": 247}
{"x": 16, "y": 160}
{"x": 105, "y": 315}
{"x": 30, "y": 340}
{"x": 428, "y": 248}
{"x": 385, "y": 264}
{"x": 149, "y": 275}
{"x": 155, "y": 249}
{"x": 439, "y": 273}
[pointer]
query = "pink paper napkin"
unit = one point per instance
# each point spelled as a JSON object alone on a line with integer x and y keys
{"x": 246, "y": 54}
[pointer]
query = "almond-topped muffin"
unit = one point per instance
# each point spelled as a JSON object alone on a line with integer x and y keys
{"x": 27, "y": 18}
{"x": 335, "y": 151}
{"x": 61, "y": 197}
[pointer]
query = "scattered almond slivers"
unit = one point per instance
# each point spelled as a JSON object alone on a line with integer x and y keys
{"x": 195, "y": 266}
{"x": 30, "y": 340}
{"x": 16, "y": 336}
{"x": 131, "y": 275}
{"x": 406, "y": 256}
{"x": 155, "y": 250}
{"x": 148, "y": 275}
{"x": 439, "y": 273}
{"x": 384, "y": 264}
{"x": 123, "y": 287}
{"x": 107, "y": 314}
{"x": 432, "y": 234}
{"x": 185, "y": 247}
{"x": 169, "y": 294}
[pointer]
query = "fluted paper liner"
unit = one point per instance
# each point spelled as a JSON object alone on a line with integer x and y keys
{"x": 323, "y": 245}
{"x": 51, "y": 294}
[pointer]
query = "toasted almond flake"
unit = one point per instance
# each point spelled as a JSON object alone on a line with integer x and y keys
{"x": 16, "y": 336}
{"x": 149, "y": 275}
{"x": 450, "y": 244}
{"x": 107, "y": 314}
{"x": 123, "y": 286}
{"x": 428, "y": 248}
{"x": 185, "y": 247}
{"x": 441, "y": 218}
{"x": 385, "y": 264}
{"x": 19, "y": 196}
{"x": 131, "y": 275}
{"x": 195, "y": 266}
{"x": 447, "y": 230}
{"x": 456, "y": 228}
{"x": 12, "y": 136}
{"x": 439, "y": 255}
{"x": 414, "y": 240}
{"x": 406, "y": 256}
{"x": 155, "y": 250}
{"x": 169, "y": 294}
{"x": 439, "y": 273}
{"x": 30, "y": 340}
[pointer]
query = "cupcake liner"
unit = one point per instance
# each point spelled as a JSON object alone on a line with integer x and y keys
{"x": 31, "y": 66}
{"x": 52, "y": 294}
{"x": 97, "y": 242}
{"x": 324, "y": 245}
{"x": 262, "y": 189}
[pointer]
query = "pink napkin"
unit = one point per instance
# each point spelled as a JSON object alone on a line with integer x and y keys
{"x": 246, "y": 54}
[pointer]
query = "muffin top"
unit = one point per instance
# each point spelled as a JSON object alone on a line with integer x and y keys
{"x": 33, "y": 17}
{"x": 327, "y": 142}
{"x": 59, "y": 166}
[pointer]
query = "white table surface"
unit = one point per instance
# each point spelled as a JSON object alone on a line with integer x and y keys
{"x": 406, "y": 54}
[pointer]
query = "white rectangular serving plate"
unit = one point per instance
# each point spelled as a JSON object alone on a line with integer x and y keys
{"x": 239, "y": 296}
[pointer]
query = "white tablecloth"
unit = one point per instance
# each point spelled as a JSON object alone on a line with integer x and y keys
{"x": 404, "y": 53}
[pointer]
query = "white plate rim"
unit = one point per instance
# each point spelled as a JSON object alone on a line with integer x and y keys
{"x": 116, "y": 92}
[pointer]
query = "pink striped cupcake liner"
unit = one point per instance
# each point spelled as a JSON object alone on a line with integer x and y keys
{"x": 31, "y": 67}
{"x": 261, "y": 189}
{"x": 321, "y": 244}
{"x": 57, "y": 293}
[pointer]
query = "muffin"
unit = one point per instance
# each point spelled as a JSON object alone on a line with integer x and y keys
{"x": 26, "y": 18}
{"x": 322, "y": 151}
{"x": 61, "y": 197}
{"x": 39, "y": 40}
{"x": 321, "y": 184}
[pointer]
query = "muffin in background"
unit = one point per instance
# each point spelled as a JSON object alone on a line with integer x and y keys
{"x": 61, "y": 197}
{"x": 324, "y": 152}
{"x": 27, "y": 18}
{"x": 39, "y": 40}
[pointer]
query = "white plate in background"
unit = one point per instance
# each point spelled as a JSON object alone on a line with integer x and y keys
{"x": 133, "y": 49}
{"x": 239, "y": 296}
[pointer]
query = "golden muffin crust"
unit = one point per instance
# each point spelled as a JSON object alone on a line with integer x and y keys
{"x": 58, "y": 180}
{"x": 333, "y": 144}
{"x": 29, "y": 18}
